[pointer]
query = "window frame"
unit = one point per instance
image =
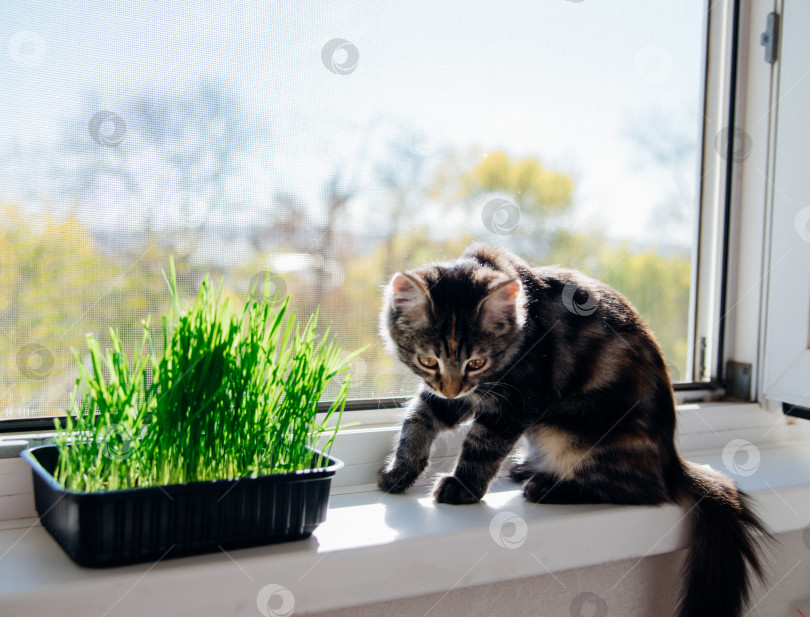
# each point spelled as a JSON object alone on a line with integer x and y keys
{"x": 712, "y": 264}
{"x": 785, "y": 333}
{"x": 747, "y": 231}
{"x": 766, "y": 326}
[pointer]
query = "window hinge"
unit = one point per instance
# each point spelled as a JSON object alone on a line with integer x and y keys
{"x": 770, "y": 38}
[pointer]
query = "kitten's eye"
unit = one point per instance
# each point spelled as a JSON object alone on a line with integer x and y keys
{"x": 475, "y": 364}
{"x": 428, "y": 361}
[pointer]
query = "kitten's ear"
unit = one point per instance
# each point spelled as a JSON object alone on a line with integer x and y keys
{"x": 502, "y": 306}
{"x": 409, "y": 296}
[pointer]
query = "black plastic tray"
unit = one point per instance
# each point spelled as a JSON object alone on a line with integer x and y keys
{"x": 144, "y": 524}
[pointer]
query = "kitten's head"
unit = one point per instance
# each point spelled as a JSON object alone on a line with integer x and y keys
{"x": 453, "y": 324}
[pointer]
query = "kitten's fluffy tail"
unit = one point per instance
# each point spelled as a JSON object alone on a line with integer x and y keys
{"x": 726, "y": 537}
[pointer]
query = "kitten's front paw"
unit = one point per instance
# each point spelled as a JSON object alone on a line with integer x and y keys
{"x": 545, "y": 488}
{"x": 395, "y": 479}
{"x": 538, "y": 488}
{"x": 450, "y": 489}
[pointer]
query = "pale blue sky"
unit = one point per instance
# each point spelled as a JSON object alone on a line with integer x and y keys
{"x": 555, "y": 78}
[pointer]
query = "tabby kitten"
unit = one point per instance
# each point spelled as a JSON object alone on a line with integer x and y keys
{"x": 566, "y": 361}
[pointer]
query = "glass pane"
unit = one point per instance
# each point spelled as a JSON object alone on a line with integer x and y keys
{"x": 333, "y": 143}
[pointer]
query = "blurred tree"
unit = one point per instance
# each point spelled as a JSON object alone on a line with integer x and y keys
{"x": 181, "y": 162}
{"x": 56, "y": 287}
{"x": 378, "y": 171}
{"x": 400, "y": 172}
{"x": 657, "y": 284}
{"x": 539, "y": 193}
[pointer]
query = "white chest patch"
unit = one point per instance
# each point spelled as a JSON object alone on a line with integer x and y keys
{"x": 557, "y": 451}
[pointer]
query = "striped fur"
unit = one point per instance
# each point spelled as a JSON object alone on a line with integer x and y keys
{"x": 566, "y": 361}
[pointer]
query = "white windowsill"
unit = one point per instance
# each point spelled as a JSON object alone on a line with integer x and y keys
{"x": 375, "y": 547}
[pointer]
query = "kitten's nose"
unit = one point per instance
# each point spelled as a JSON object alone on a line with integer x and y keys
{"x": 451, "y": 389}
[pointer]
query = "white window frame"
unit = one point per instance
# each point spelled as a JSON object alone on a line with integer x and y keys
{"x": 785, "y": 333}
{"x": 708, "y": 275}
{"x": 768, "y": 314}
{"x": 747, "y": 235}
